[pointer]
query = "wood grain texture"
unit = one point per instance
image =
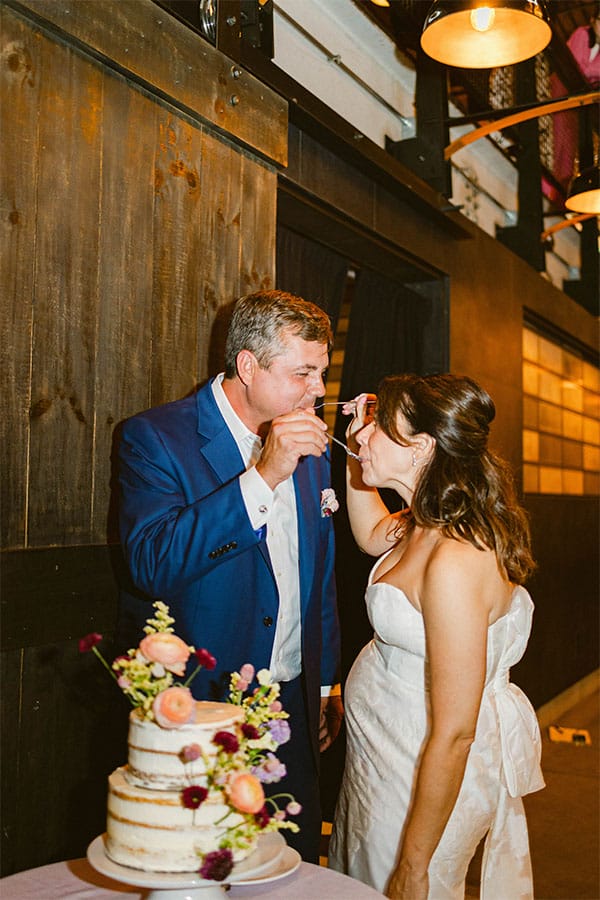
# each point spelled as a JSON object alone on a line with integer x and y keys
{"x": 19, "y": 86}
{"x": 164, "y": 55}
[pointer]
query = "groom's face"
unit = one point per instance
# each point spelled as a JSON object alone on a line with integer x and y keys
{"x": 293, "y": 379}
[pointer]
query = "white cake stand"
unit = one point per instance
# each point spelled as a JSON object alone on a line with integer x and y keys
{"x": 272, "y": 859}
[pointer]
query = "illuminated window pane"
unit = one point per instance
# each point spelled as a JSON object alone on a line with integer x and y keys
{"x": 530, "y": 412}
{"x": 572, "y": 395}
{"x": 530, "y": 379}
{"x": 550, "y": 355}
{"x": 550, "y": 387}
{"x": 531, "y": 449}
{"x": 572, "y": 425}
{"x": 591, "y": 431}
{"x": 591, "y": 458}
{"x": 550, "y": 480}
{"x": 531, "y": 479}
{"x": 591, "y": 377}
{"x": 572, "y": 454}
{"x": 550, "y": 418}
{"x": 591, "y": 404}
{"x": 550, "y": 450}
{"x": 572, "y": 367}
{"x": 572, "y": 481}
{"x": 591, "y": 483}
{"x": 530, "y": 345}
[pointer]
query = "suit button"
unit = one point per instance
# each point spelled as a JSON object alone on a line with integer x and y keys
{"x": 268, "y": 621}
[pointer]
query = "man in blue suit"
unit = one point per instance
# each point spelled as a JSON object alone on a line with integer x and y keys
{"x": 223, "y": 516}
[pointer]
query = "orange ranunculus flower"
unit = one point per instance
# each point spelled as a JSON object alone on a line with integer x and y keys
{"x": 167, "y": 649}
{"x": 245, "y": 792}
{"x": 174, "y": 707}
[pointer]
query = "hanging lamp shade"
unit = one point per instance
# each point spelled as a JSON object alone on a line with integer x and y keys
{"x": 584, "y": 192}
{"x": 483, "y": 34}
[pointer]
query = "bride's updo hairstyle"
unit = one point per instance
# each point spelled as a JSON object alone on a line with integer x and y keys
{"x": 465, "y": 490}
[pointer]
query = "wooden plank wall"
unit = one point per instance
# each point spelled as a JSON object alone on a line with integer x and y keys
{"x": 130, "y": 219}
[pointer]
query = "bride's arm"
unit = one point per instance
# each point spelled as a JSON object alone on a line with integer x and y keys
{"x": 371, "y": 521}
{"x": 456, "y": 624}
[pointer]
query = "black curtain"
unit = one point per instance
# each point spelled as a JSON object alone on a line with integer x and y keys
{"x": 392, "y": 329}
{"x": 311, "y": 270}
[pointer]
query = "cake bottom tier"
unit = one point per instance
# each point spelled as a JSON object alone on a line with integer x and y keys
{"x": 152, "y": 830}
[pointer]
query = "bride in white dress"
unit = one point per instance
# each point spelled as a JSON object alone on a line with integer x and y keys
{"x": 440, "y": 746}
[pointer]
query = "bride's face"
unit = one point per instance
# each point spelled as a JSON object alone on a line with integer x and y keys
{"x": 384, "y": 462}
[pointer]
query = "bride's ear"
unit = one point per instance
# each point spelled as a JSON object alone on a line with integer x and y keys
{"x": 424, "y": 447}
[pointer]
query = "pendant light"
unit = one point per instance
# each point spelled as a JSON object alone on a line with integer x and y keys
{"x": 483, "y": 34}
{"x": 584, "y": 192}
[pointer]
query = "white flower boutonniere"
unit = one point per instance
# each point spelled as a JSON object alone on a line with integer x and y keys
{"x": 329, "y": 502}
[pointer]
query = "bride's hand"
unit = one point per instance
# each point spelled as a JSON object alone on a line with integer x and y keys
{"x": 361, "y": 411}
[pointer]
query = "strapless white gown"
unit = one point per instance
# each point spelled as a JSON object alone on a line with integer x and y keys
{"x": 387, "y": 719}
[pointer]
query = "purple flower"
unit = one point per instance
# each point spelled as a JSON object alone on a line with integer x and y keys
{"x": 270, "y": 770}
{"x": 228, "y": 742}
{"x": 280, "y": 730}
{"x": 217, "y": 865}
{"x": 194, "y": 796}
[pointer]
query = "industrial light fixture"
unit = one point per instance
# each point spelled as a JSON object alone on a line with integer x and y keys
{"x": 584, "y": 192}
{"x": 483, "y": 34}
{"x": 381, "y": 2}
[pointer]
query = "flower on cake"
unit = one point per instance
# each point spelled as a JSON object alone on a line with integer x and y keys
{"x": 245, "y": 757}
{"x": 145, "y": 674}
{"x": 174, "y": 707}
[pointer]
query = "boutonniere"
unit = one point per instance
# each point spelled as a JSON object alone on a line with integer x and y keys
{"x": 329, "y": 503}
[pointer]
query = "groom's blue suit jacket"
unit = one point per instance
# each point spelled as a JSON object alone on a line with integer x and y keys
{"x": 188, "y": 541}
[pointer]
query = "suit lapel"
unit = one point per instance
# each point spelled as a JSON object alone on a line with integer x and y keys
{"x": 219, "y": 448}
{"x": 307, "y": 500}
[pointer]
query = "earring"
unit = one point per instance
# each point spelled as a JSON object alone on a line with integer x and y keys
{"x": 414, "y": 459}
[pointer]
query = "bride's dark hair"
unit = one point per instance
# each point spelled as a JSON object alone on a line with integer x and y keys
{"x": 465, "y": 490}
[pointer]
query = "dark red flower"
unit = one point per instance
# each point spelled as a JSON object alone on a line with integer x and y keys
{"x": 90, "y": 640}
{"x": 262, "y": 817}
{"x": 206, "y": 659}
{"x": 192, "y": 797}
{"x": 228, "y": 742}
{"x": 217, "y": 865}
{"x": 250, "y": 731}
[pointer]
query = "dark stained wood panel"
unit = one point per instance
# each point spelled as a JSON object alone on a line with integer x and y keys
{"x": 65, "y": 296}
{"x": 163, "y": 54}
{"x": 259, "y": 201}
{"x": 19, "y": 86}
{"x": 125, "y": 271}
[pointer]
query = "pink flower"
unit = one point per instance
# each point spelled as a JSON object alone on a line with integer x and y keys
{"x": 167, "y": 649}
{"x": 192, "y": 797}
{"x": 89, "y": 641}
{"x": 276, "y": 706}
{"x": 205, "y": 659}
{"x": 190, "y": 753}
{"x": 174, "y": 707}
{"x": 293, "y": 808}
{"x": 245, "y": 792}
{"x": 247, "y": 672}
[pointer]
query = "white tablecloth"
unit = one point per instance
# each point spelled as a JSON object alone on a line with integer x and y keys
{"x": 78, "y": 880}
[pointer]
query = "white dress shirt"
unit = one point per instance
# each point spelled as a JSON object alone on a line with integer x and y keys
{"x": 277, "y": 510}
